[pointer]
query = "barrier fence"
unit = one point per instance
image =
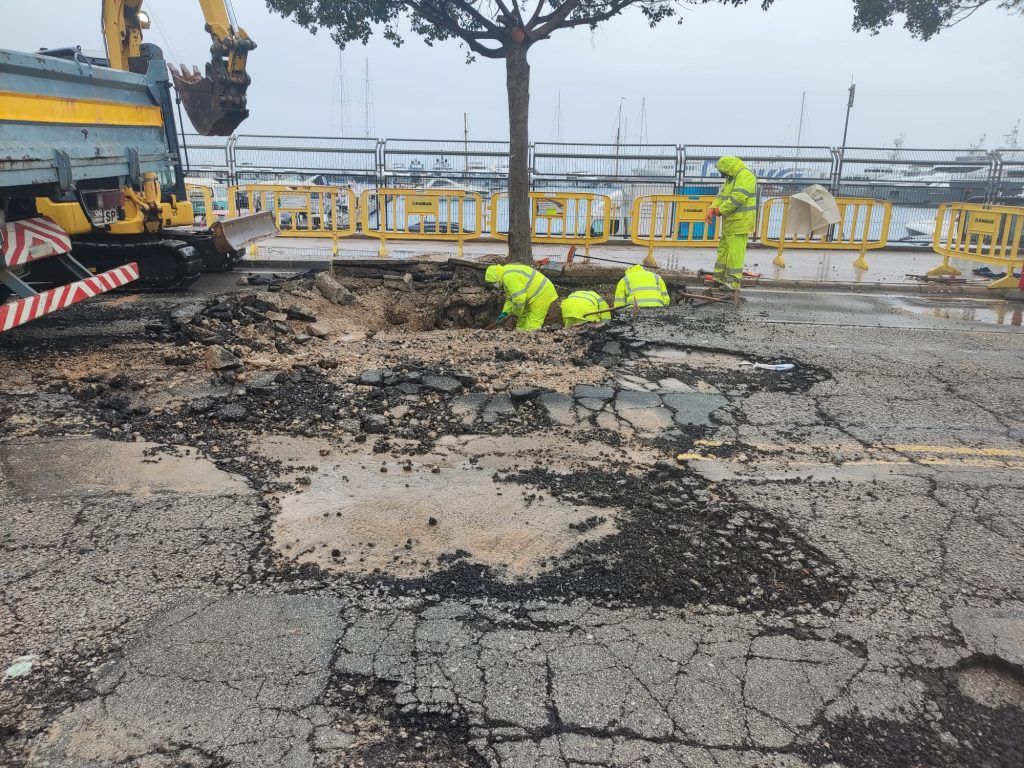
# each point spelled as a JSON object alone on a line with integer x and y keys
{"x": 421, "y": 214}
{"x": 989, "y": 234}
{"x": 202, "y": 199}
{"x": 673, "y": 221}
{"x": 299, "y": 211}
{"x": 559, "y": 218}
{"x": 863, "y": 226}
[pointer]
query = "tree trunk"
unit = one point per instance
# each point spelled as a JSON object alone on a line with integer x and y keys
{"x": 517, "y": 75}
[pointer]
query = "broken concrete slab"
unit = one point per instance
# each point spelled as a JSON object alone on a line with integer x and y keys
{"x": 219, "y": 358}
{"x": 634, "y": 399}
{"x": 593, "y": 391}
{"x": 332, "y": 290}
{"x": 446, "y": 385}
{"x": 694, "y": 408}
{"x": 497, "y": 406}
{"x": 558, "y": 407}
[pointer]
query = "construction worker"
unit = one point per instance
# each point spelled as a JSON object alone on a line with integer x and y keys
{"x": 528, "y": 294}
{"x": 584, "y": 307}
{"x": 640, "y": 287}
{"x": 736, "y": 203}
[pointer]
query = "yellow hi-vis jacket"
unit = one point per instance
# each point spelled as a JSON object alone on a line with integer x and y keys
{"x": 641, "y": 288}
{"x": 737, "y": 200}
{"x": 522, "y": 285}
{"x": 584, "y": 307}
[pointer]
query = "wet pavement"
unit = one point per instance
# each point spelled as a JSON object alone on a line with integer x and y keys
{"x": 679, "y": 561}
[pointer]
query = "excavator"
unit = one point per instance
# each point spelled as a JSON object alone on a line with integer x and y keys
{"x": 92, "y": 189}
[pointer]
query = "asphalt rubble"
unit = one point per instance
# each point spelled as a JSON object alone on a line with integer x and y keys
{"x": 679, "y": 542}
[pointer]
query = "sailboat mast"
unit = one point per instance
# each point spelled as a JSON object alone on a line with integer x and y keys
{"x": 800, "y": 125}
{"x": 366, "y": 102}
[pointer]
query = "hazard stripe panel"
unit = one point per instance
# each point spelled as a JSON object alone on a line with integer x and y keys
{"x": 26, "y": 310}
{"x": 31, "y": 239}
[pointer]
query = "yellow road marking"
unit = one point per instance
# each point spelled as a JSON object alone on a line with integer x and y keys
{"x": 935, "y": 455}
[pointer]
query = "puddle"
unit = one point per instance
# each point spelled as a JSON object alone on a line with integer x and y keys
{"x": 694, "y": 358}
{"x": 415, "y": 519}
{"x": 968, "y": 310}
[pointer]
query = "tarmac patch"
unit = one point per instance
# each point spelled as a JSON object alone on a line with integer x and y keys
{"x": 403, "y": 518}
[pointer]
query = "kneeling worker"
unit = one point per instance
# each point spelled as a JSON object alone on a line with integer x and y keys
{"x": 528, "y": 294}
{"x": 584, "y": 307}
{"x": 640, "y": 287}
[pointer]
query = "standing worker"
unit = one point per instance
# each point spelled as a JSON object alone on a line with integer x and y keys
{"x": 528, "y": 294}
{"x": 736, "y": 203}
{"x": 584, "y": 307}
{"x": 640, "y": 287}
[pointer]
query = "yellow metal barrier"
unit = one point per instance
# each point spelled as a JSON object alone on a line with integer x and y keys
{"x": 299, "y": 210}
{"x": 453, "y": 215}
{"x": 201, "y": 197}
{"x": 856, "y": 231}
{"x": 561, "y": 218}
{"x": 990, "y": 234}
{"x": 672, "y": 221}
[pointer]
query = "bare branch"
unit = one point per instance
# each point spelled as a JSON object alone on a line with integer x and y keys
{"x": 518, "y": 12}
{"x": 536, "y": 15}
{"x": 471, "y": 10}
{"x": 554, "y": 20}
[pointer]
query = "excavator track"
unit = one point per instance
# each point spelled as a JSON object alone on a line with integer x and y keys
{"x": 164, "y": 264}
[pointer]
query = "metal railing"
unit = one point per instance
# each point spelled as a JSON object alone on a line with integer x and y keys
{"x": 915, "y": 181}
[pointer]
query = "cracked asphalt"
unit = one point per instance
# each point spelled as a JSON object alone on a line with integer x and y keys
{"x": 830, "y": 575}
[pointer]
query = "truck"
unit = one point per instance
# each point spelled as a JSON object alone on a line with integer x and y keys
{"x": 92, "y": 190}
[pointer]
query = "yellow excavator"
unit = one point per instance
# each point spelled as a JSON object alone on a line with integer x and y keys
{"x": 90, "y": 166}
{"x": 216, "y": 103}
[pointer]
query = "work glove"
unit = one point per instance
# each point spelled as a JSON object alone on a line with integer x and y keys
{"x": 501, "y": 318}
{"x": 712, "y": 212}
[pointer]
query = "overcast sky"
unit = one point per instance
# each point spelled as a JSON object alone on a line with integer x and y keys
{"x": 724, "y": 76}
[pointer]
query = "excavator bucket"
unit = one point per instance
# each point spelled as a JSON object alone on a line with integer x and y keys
{"x": 216, "y": 103}
{"x": 237, "y": 234}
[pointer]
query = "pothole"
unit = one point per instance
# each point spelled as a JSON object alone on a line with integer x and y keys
{"x": 701, "y": 359}
{"x": 991, "y": 681}
{"x": 409, "y": 519}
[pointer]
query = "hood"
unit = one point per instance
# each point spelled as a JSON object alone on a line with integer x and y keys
{"x": 730, "y": 166}
{"x": 636, "y": 268}
{"x": 494, "y": 273}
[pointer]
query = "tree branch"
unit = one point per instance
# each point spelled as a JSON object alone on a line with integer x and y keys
{"x": 613, "y": 9}
{"x": 518, "y": 11}
{"x": 535, "y": 16}
{"x": 552, "y": 21}
{"x": 468, "y": 7}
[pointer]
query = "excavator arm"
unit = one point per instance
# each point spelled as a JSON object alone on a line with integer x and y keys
{"x": 215, "y": 102}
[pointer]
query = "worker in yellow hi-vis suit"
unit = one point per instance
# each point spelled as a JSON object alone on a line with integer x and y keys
{"x": 528, "y": 294}
{"x": 640, "y": 287}
{"x": 584, "y": 307}
{"x": 736, "y": 203}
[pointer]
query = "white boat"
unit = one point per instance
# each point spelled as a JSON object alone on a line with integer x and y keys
{"x": 921, "y": 227}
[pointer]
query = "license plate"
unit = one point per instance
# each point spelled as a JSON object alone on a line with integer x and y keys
{"x": 104, "y": 216}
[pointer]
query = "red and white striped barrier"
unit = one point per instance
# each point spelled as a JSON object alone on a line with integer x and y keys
{"x": 31, "y": 239}
{"x": 25, "y": 310}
